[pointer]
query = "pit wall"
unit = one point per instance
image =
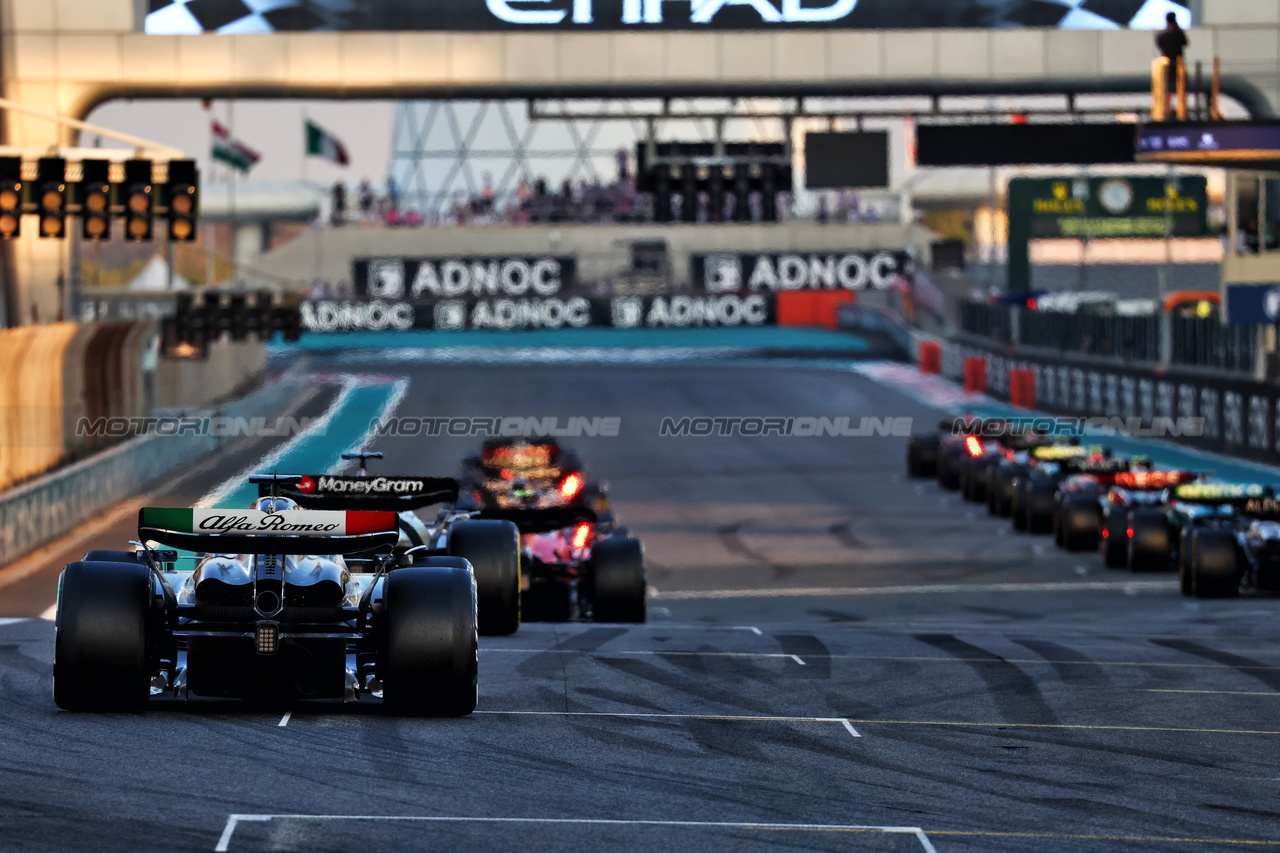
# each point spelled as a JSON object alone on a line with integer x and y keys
{"x": 58, "y": 376}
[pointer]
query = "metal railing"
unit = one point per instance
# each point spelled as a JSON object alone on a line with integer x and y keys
{"x": 1192, "y": 341}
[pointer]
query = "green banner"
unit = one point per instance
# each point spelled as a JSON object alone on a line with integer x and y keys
{"x": 1101, "y": 208}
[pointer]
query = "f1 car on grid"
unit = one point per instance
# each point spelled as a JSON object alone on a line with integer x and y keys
{"x": 1093, "y": 510}
{"x": 1035, "y": 490}
{"x": 490, "y": 546}
{"x": 985, "y": 476}
{"x": 1227, "y": 537}
{"x": 1003, "y": 474}
{"x": 282, "y": 604}
{"x": 938, "y": 454}
{"x": 543, "y": 465}
{"x": 1124, "y": 527}
{"x": 577, "y": 563}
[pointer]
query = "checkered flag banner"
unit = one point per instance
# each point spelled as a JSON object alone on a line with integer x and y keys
{"x": 178, "y": 17}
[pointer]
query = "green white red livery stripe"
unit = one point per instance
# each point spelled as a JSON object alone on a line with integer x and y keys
{"x": 302, "y": 522}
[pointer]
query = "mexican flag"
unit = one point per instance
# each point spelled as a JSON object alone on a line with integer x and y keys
{"x": 321, "y": 143}
{"x": 232, "y": 151}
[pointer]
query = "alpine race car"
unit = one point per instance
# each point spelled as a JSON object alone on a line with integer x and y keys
{"x": 490, "y": 546}
{"x": 282, "y": 604}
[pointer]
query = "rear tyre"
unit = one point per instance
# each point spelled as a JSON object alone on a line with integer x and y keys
{"x": 110, "y": 557}
{"x": 429, "y": 663}
{"x": 1185, "y": 585}
{"x": 1115, "y": 545}
{"x": 1215, "y": 572}
{"x": 1017, "y": 506}
{"x": 1149, "y": 544}
{"x": 1039, "y": 506}
{"x": 492, "y": 547}
{"x": 617, "y": 581}
{"x": 103, "y": 628}
{"x": 1080, "y": 522}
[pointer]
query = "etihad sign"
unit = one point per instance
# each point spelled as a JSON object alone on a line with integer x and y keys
{"x": 547, "y": 12}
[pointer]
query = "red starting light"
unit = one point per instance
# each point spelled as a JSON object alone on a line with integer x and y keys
{"x": 973, "y": 445}
{"x": 570, "y": 487}
{"x": 580, "y": 536}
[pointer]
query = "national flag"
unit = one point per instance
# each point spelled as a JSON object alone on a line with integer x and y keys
{"x": 321, "y": 143}
{"x": 232, "y": 151}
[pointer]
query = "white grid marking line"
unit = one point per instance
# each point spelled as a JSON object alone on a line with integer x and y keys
{"x": 848, "y": 725}
{"x": 797, "y": 659}
{"x": 224, "y": 842}
{"x": 284, "y": 721}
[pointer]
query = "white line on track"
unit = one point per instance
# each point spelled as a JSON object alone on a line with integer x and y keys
{"x": 752, "y": 628}
{"x": 224, "y": 842}
{"x": 12, "y": 621}
{"x": 797, "y": 659}
{"x": 654, "y": 715}
{"x": 284, "y": 721}
{"x": 848, "y": 725}
{"x": 948, "y": 589}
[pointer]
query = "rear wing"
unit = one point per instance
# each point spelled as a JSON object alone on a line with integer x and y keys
{"x": 251, "y": 531}
{"x": 540, "y": 520}
{"x": 386, "y": 494}
{"x": 1101, "y": 467}
{"x": 1152, "y": 481}
{"x": 1238, "y": 496}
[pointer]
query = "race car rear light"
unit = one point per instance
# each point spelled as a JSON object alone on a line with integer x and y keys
{"x": 973, "y": 445}
{"x": 267, "y": 639}
{"x": 580, "y": 536}
{"x": 1129, "y": 532}
{"x": 570, "y": 487}
{"x": 1106, "y": 534}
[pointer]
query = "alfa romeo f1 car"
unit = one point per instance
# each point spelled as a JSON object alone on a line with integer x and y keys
{"x": 282, "y": 604}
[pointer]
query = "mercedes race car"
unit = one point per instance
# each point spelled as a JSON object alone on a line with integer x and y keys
{"x": 490, "y": 546}
{"x": 282, "y": 604}
{"x": 1034, "y": 486}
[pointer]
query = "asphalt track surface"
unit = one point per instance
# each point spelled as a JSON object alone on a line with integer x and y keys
{"x": 837, "y": 658}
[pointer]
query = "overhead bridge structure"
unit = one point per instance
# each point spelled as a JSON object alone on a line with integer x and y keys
{"x": 71, "y": 55}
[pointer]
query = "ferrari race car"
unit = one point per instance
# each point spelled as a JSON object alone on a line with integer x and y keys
{"x": 282, "y": 604}
{"x": 505, "y": 465}
{"x": 490, "y": 546}
{"x": 577, "y": 562}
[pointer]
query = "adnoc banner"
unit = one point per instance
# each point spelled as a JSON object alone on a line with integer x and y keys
{"x": 772, "y": 272}
{"x": 184, "y": 17}
{"x": 425, "y": 279}
{"x": 684, "y": 311}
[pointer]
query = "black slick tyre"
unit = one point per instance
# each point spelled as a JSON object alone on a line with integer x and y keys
{"x": 1149, "y": 544}
{"x": 1080, "y": 521}
{"x": 617, "y": 581}
{"x": 1214, "y": 569}
{"x": 493, "y": 549}
{"x": 429, "y": 657}
{"x": 101, "y": 645}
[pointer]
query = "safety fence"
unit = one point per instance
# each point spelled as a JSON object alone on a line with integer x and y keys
{"x": 1237, "y": 416}
{"x": 1183, "y": 341}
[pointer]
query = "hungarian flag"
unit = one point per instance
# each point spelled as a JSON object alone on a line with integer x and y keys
{"x": 321, "y": 143}
{"x": 232, "y": 151}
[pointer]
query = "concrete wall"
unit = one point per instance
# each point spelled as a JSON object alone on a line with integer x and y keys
{"x": 231, "y": 368}
{"x": 602, "y": 250}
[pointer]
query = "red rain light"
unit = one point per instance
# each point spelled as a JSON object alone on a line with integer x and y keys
{"x": 580, "y": 535}
{"x": 570, "y": 487}
{"x": 973, "y": 445}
